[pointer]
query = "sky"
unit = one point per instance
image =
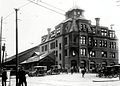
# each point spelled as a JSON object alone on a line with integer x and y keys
{"x": 33, "y": 19}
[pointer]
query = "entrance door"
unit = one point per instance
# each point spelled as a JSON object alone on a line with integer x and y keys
{"x": 73, "y": 63}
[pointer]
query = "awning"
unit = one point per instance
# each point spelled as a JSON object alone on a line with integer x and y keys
{"x": 37, "y": 58}
{"x": 32, "y": 59}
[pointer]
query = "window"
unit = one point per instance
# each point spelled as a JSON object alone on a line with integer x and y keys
{"x": 74, "y": 53}
{"x": 85, "y": 27}
{"x": 92, "y": 53}
{"x": 45, "y": 47}
{"x": 42, "y": 48}
{"x": 59, "y": 46}
{"x": 104, "y": 54}
{"x": 112, "y": 34}
{"x": 52, "y": 34}
{"x": 103, "y": 32}
{"x": 95, "y": 43}
{"x": 82, "y": 40}
{"x": 100, "y": 43}
{"x": 56, "y": 43}
{"x": 112, "y": 45}
{"x": 89, "y": 29}
{"x": 52, "y": 45}
{"x": 83, "y": 51}
{"x": 81, "y": 27}
{"x": 65, "y": 40}
{"x": 56, "y": 53}
{"x": 65, "y": 52}
{"x": 90, "y": 41}
{"x": 103, "y": 43}
{"x": 112, "y": 55}
{"x": 75, "y": 38}
{"x": 59, "y": 56}
{"x": 94, "y": 30}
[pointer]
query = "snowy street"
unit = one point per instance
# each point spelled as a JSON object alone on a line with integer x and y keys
{"x": 69, "y": 80}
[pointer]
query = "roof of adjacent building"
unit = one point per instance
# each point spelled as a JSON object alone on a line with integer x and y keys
{"x": 23, "y": 55}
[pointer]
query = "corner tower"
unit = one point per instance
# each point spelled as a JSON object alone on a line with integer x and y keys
{"x": 74, "y": 13}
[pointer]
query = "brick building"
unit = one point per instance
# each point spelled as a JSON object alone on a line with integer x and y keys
{"x": 76, "y": 42}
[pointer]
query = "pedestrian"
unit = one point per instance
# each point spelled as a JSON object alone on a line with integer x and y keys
{"x": 72, "y": 69}
{"x": 4, "y": 77}
{"x": 119, "y": 73}
{"x": 83, "y": 71}
{"x": 22, "y": 77}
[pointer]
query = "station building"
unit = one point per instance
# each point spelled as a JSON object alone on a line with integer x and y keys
{"x": 76, "y": 42}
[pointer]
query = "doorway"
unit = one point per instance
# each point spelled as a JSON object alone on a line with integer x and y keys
{"x": 73, "y": 63}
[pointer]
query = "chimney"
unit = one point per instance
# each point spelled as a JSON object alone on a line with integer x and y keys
{"x": 97, "y": 21}
{"x": 49, "y": 29}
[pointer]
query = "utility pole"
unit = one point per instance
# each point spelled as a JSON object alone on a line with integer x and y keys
{"x": 16, "y": 10}
{"x": 3, "y": 49}
{"x": 0, "y": 47}
{"x": 0, "y": 44}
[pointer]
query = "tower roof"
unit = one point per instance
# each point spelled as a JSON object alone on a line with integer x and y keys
{"x": 74, "y": 13}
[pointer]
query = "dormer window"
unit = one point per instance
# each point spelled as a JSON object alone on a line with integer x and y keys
{"x": 103, "y": 32}
{"x": 112, "y": 34}
{"x": 78, "y": 12}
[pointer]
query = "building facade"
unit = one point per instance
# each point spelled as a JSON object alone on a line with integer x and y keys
{"x": 76, "y": 42}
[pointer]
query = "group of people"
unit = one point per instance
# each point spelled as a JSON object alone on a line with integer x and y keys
{"x": 75, "y": 69}
{"x": 21, "y": 77}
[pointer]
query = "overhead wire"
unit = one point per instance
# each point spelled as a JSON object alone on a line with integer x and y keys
{"x": 45, "y": 7}
{"x": 24, "y": 5}
{"x": 18, "y": 8}
{"x": 8, "y": 15}
{"x": 37, "y": 4}
{"x": 51, "y": 6}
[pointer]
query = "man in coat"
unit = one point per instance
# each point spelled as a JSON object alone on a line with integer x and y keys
{"x": 22, "y": 77}
{"x": 4, "y": 77}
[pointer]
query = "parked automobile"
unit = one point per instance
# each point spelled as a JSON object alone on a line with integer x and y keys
{"x": 109, "y": 71}
{"x": 55, "y": 69}
{"x": 38, "y": 71}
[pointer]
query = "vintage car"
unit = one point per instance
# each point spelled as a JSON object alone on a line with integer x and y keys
{"x": 109, "y": 71}
{"x": 38, "y": 71}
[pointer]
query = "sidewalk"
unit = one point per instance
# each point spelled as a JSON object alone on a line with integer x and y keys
{"x": 69, "y": 80}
